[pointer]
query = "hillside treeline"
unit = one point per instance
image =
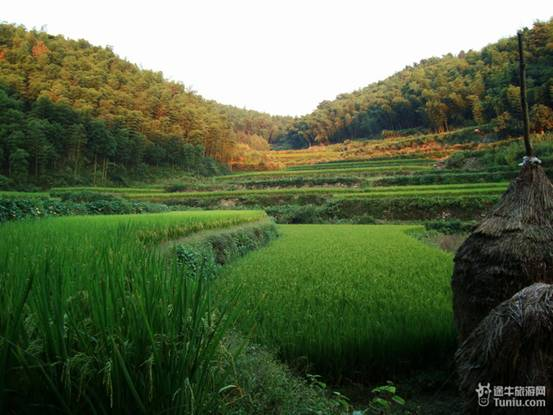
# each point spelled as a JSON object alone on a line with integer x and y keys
{"x": 163, "y": 119}
{"x": 47, "y": 143}
{"x": 439, "y": 94}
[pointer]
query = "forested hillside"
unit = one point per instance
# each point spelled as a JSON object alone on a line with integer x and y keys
{"x": 76, "y": 110}
{"x": 77, "y": 113}
{"x": 439, "y": 94}
{"x": 44, "y": 143}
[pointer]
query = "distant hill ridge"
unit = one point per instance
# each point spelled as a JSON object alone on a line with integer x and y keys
{"x": 439, "y": 94}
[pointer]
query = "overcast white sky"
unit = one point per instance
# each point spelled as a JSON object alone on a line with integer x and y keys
{"x": 279, "y": 56}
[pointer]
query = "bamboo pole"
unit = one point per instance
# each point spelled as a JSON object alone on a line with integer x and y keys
{"x": 523, "y": 100}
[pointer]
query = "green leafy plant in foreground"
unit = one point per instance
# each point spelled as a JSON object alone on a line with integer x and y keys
{"x": 385, "y": 399}
{"x": 95, "y": 320}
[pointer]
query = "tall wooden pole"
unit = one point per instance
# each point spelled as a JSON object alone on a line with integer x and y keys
{"x": 523, "y": 101}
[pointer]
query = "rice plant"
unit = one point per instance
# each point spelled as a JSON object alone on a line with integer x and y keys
{"x": 370, "y": 192}
{"x": 364, "y": 163}
{"x": 366, "y": 169}
{"x": 352, "y": 300}
{"x": 95, "y": 320}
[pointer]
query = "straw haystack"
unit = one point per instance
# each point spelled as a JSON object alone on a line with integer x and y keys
{"x": 511, "y": 347}
{"x": 512, "y": 248}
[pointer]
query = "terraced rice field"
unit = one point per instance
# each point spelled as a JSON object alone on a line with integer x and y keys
{"x": 22, "y": 195}
{"x": 374, "y": 192}
{"x": 364, "y": 163}
{"x": 323, "y": 184}
{"x": 379, "y": 169}
{"x": 351, "y": 300}
{"x": 95, "y": 320}
{"x": 114, "y": 190}
{"x": 415, "y": 146}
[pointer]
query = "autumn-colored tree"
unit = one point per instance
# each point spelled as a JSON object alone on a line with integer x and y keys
{"x": 541, "y": 118}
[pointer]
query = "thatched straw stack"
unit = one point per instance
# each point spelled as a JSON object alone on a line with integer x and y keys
{"x": 511, "y": 249}
{"x": 512, "y": 346}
